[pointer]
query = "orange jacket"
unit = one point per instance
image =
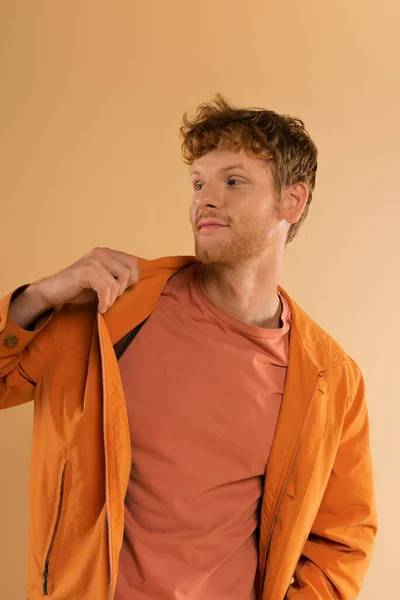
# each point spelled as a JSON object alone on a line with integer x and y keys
{"x": 318, "y": 520}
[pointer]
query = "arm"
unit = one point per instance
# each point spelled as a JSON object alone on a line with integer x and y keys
{"x": 23, "y": 352}
{"x": 102, "y": 275}
{"x": 338, "y": 550}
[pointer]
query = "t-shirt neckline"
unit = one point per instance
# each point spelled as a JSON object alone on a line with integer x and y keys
{"x": 232, "y": 320}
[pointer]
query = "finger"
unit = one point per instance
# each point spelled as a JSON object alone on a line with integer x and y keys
{"x": 98, "y": 284}
{"x": 103, "y": 283}
{"x": 111, "y": 282}
{"x": 124, "y": 270}
{"x": 129, "y": 261}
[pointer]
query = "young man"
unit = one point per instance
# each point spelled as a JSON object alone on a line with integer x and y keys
{"x": 196, "y": 435}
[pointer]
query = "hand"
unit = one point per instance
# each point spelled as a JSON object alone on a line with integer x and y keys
{"x": 101, "y": 275}
{"x": 103, "y": 272}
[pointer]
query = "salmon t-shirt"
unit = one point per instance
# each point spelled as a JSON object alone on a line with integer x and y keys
{"x": 203, "y": 392}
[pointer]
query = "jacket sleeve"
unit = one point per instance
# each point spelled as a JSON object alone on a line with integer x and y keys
{"x": 23, "y": 355}
{"x": 338, "y": 550}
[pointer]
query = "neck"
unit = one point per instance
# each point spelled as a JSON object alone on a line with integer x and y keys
{"x": 249, "y": 291}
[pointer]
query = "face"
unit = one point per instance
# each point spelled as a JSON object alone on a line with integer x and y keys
{"x": 235, "y": 211}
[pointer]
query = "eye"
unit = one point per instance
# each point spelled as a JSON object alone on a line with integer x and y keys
{"x": 197, "y": 186}
{"x": 232, "y": 181}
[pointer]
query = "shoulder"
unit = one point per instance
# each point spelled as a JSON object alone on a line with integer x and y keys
{"x": 322, "y": 349}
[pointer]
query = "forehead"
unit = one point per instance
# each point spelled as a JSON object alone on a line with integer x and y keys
{"x": 220, "y": 159}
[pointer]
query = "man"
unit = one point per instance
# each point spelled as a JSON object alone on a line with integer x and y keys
{"x": 196, "y": 435}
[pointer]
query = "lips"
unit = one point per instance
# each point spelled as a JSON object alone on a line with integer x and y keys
{"x": 210, "y": 224}
{"x": 205, "y": 227}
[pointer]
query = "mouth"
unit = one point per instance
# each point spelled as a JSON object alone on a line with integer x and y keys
{"x": 210, "y": 225}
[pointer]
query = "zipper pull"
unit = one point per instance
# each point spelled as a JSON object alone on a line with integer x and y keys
{"x": 45, "y": 575}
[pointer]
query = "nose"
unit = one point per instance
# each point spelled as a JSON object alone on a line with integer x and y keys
{"x": 207, "y": 198}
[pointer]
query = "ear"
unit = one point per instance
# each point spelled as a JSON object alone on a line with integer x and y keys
{"x": 294, "y": 200}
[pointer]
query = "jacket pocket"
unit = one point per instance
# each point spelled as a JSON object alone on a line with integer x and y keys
{"x": 54, "y": 539}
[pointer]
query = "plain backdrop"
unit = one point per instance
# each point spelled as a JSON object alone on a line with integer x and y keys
{"x": 91, "y": 99}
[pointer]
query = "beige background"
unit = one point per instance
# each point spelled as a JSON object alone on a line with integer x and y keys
{"x": 91, "y": 99}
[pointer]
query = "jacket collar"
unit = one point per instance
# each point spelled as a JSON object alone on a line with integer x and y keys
{"x": 139, "y": 301}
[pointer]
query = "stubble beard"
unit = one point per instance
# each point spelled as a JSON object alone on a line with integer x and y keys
{"x": 239, "y": 244}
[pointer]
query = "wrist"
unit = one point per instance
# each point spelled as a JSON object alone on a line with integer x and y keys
{"x": 34, "y": 295}
{"x": 28, "y": 306}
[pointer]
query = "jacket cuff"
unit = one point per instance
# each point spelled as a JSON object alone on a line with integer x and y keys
{"x": 13, "y": 338}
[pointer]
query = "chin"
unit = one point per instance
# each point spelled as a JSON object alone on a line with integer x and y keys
{"x": 218, "y": 255}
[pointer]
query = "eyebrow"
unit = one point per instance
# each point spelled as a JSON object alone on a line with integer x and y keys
{"x": 228, "y": 168}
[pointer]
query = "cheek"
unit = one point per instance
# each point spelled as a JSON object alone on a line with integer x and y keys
{"x": 192, "y": 212}
{"x": 266, "y": 206}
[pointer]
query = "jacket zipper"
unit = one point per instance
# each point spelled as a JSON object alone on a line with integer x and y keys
{"x": 282, "y": 491}
{"x": 105, "y": 458}
{"x": 109, "y": 537}
{"x": 54, "y": 535}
